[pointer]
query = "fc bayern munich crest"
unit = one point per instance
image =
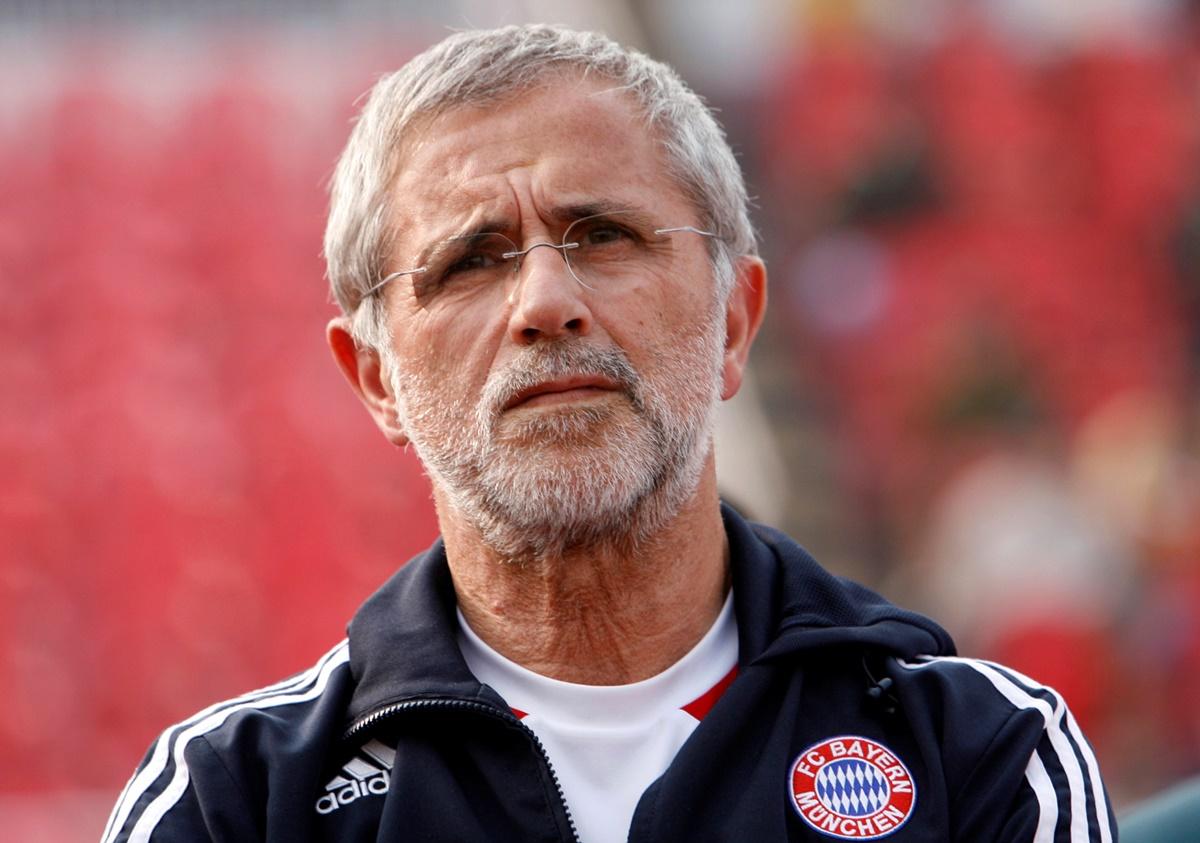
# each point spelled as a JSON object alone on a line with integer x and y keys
{"x": 852, "y": 788}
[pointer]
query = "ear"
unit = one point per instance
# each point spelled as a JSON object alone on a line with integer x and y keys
{"x": 364, "y": 372}
{"x": 743, "y": 315}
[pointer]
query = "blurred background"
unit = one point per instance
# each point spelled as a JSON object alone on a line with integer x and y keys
{"x": 978, "y": 389}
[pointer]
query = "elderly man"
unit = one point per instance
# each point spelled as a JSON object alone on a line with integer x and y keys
{"x": 540, "y": 243}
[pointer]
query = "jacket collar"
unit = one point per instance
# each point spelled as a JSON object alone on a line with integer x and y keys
{"x": 404, "y": 639}
{"x": 787, "y": 603}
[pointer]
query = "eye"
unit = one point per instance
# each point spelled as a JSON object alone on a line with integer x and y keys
{"x": 477, "y": 259}
{"x": 607, "y": 230}
{"x": 473, "y": 261}
{"x": 604, "y": 232}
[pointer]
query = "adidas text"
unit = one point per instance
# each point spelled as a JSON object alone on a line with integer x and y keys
{"x": 374, "y": 786}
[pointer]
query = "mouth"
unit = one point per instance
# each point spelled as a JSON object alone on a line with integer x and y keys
{"x": 563, "y": 391}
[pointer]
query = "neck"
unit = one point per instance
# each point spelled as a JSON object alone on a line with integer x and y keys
{"x": 599, "y": 615}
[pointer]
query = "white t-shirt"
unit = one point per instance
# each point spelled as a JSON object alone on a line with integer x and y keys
{"x": 608, "y": 743}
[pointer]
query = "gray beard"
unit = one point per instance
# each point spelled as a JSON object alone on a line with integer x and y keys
{"x": 597, "y": 475}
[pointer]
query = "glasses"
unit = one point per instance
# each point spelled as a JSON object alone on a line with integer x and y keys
{"x": 599, "y": 250}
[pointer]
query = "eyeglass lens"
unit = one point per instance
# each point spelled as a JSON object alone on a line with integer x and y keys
{"x": 598, "y": 250}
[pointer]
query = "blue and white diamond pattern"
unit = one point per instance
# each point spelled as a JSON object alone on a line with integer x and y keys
{"x": 852, "y": 788}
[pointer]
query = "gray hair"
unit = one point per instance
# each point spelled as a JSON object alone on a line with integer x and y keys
{"x": 483, "y": 67}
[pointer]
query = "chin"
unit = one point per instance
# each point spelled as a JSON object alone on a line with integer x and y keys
{"x": 570, "y": 426}
{"x": 618, "y": 497}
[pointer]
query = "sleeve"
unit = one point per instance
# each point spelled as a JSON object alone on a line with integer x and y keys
{"x": 185, "y": 791}
{"x": 180, "y": 792}
{"x": 1038, "y": 779}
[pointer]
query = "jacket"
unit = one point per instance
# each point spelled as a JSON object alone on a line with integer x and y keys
{"x": 850, "y": 718}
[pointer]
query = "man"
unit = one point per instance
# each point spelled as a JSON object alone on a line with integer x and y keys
{"x": 541, "y": 247}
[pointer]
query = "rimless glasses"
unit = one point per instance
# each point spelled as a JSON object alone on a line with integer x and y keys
{"x": 599, "y": 250}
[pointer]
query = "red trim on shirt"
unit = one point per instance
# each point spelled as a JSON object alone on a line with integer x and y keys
{"x": 703, "y": 703}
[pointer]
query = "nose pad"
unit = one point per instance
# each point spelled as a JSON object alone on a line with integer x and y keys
{"x": 519, "y": 264}
{"x": 545, "y": 301}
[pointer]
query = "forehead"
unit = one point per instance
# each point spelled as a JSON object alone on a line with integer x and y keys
{"x": 569, "y": 142}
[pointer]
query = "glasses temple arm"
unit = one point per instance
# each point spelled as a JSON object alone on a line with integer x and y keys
{"x": 393, "y": 277}
{"x": 690, "y": 228}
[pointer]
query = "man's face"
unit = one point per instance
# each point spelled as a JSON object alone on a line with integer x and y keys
{"x": 550, "y": 413}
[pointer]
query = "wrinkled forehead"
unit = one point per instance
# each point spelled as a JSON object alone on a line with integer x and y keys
{"x": 567, "y": 142}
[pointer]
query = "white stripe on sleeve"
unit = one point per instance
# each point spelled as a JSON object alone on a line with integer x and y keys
{"x": 1085, "y": 749}
{"x": 142, "y": 780}
{"x": 174, "y": 791}
{"x": 1093, "y": 766}
{"x": 1059, "y": 740}
{"x": 1043, "y": 789}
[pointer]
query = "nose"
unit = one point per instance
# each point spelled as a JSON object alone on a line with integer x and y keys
{"x": 547, "y": 303}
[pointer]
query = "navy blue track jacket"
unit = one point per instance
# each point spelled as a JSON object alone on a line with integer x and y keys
{"x": 849, "y": 719}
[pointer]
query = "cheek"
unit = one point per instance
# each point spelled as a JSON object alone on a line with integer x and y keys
{"x": 451, "y": 352}
{"x": 653, "y": 301}
{"x": 668, "y": 304}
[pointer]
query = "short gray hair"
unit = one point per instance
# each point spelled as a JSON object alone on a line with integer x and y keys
{"x": 482, "y": 67}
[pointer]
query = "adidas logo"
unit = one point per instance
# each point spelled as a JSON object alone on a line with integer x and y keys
{"x": 362, "y": 777}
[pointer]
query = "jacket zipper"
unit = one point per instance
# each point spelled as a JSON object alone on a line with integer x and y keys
{"x": 369, "y": 720}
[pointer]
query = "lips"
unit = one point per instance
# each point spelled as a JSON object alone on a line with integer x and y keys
{"x": 581, "y": 384}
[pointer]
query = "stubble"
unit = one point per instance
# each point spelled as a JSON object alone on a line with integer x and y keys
{"x": 610, "y": 471}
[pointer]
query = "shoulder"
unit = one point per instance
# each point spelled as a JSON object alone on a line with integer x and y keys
{"x": 1008, "y": 740}
{"x": 990, "y": 691}
{"x": 203, "y": 767}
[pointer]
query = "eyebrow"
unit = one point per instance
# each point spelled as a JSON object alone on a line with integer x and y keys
{"x": 488, "y": 225}
{"x": 494, "y": 225}
{"x": 579, "y": 210}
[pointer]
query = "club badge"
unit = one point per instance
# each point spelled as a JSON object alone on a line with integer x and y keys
{"x": 852, "y": 788}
